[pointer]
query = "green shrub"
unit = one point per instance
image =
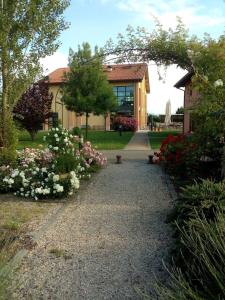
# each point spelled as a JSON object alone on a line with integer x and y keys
{"x": 65, "y": 163}
{"x": 204, "y": 276}
{"x": 76, "y": 131}
{"x": 204, "y": 198}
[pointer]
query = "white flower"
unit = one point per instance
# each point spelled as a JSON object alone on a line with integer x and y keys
{"x": 66, "y": 140}
{"x": 22, "y": 174}
{"x": 44, "y": 138}
{"x": 57, "y": 129}
{"x": 55, "y": 178}
{"x": 10, "y": 181}
{"x": 218, "y": 82}
{"x": 44, "y": 170}
{"x": 15, "y": 173}
{"x": 57, "y": 139}
{"x": 38, "y": 190}
{"x": 59, "y": 188}
{"x": 55, "y": 135}
{"x": 46, "y": 191}
{"x": 56, "y": 148}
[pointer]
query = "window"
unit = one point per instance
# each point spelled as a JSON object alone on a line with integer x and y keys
{"x": 125, "y": 99}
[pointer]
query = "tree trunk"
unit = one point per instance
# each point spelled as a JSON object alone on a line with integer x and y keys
{"x": 105, "y": 117}
{"x": 32, "y": 135}
{"x": 86, "y": 126}
{"x": 5, "y": 97}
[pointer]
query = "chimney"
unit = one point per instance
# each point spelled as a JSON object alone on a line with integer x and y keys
{"x": 109, "y": 68}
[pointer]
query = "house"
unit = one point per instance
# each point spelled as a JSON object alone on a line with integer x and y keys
{"x": 130, "y": 83}
{"x": 190, "y": 98}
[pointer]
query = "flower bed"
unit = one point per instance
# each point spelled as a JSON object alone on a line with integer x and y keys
{"x": 179, "y": 154}
{"x": 54, "y": 172}
{"x": 128, "y": 124}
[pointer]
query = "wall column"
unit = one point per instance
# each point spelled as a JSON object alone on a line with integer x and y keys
{"x": 136, "y": 105}
{"x": 107, "y": 127}
{"x": 78, "y": 121}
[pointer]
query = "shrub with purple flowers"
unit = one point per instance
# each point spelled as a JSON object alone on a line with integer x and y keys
{"x": 127, "y": 123}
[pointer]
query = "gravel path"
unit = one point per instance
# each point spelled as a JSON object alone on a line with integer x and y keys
{"x": 139, "y": 141}
{"x": 112, "y": 239}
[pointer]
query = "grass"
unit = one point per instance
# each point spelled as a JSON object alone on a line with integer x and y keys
{"x": 109, "y": 140}
{"x": 156, "y": 138}
{"x": 25, "y": 140}
{"x": 103, "y": 140}
{"x": 57, "y": 252}
{"x": 15, "y": 218}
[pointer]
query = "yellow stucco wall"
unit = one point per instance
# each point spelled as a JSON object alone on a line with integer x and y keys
{"x": 70, "y": 120}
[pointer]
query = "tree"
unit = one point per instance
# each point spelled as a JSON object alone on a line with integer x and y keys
{"x": 28, "y": 31}
{"x": 204, "y": 58}
{"x": 164, "y": 47}
{"x": 86, "y": 89}
{"x": 180, "y": 110}
{"x": 106, "y": 101}
{"x": 33, "y": 108}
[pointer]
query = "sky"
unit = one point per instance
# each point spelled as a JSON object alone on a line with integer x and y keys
{"x": 96, "y": 21}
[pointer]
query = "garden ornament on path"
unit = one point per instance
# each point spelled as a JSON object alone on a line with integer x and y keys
{"x": 168, "y": 113}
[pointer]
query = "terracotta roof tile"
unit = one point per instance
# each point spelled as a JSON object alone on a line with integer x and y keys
{"x": 123, "y": 72}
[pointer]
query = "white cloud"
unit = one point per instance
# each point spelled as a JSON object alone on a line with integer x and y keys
{"x": 53, "y": 62}
{"x": 191, "y": 12}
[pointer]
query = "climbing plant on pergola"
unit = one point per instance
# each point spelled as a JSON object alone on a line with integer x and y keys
{"x": 204, "y": 58}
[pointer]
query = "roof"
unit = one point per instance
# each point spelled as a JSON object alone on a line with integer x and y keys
{"x": 115, "y": 73}
{"x": 185, "y": 79}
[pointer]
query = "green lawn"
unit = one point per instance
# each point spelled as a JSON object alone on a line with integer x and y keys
{"x": 25, "y": 140}
{"x": 156, "y": 138}
{"x": 107, "y": 140}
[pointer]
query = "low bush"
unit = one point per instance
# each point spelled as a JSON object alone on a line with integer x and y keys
{"x": 204, "y": 274}
{"x": 127, "y": 123}
{"x": 180, "y": 156}
{"x": 197, "y": 270}
{"x": 51, "y": 173}
{"x": 65, "y": 163}
{"x": 205, "y": 198}
{"x": 76, "y": 131}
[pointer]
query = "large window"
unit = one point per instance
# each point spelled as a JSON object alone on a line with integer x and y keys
{"x": 125, "y": 99}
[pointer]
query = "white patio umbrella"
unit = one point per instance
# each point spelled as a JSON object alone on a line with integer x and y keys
{"x": 168, "y": 113}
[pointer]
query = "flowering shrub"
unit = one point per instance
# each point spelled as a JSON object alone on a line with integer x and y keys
{"x": 180, "y": 155}
{"x": 128, "y": 124}
{"x": 59, "y": 140}
{"x": 32, "y": 156}
{"x": 92, "y": 157}
{"x": 51, "y": 173}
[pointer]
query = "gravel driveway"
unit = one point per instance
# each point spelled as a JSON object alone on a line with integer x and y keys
{"x": 109, "y": 242}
